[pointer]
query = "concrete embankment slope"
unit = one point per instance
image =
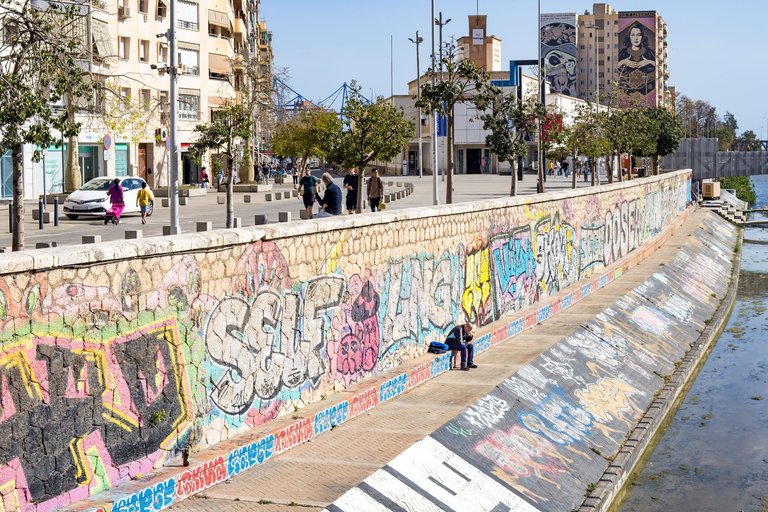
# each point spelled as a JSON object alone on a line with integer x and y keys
{"x": 545, "y": 437}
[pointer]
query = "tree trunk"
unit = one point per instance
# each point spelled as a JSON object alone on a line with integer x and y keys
{"x": 621, "y": 170}
{"x": 18, "y": 198}
{"x": 513, "y": 190}
{"x": 655, "y": 164}
{"x": 449, "y": 161}
{"x": 246, "y": 166}
{"x": 609, "y": 166}
{"x": 73, "y": 178}
{"x": 230, "y": 187}
{"x": 361, "y": 188}
{"x": 573, "y": 171}
{"x": 595, "y": 162}
{"x": 629, "y": 169}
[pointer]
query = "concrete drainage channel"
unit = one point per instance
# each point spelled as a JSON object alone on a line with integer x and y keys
{"x": 564, "y": 431}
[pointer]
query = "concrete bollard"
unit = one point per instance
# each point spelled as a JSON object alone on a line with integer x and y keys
{"x": 304, "y": 215}
{"x": 294, "y": 193}
{"x": 166, "y": 230}
{"x": 278, "y": 196}
{"x": 204, "y": 226}
{"x": 247, "y": 198}
{"x": 259, "y": 220}
{"x": 398, "y": 184}
{"x": 390, "y": 183}
{"x": 284, "y": 216}
{"x": 220, "y": 199}
{"x": 268, "y": 197}
{"x": 45, "y": 245}
{"x": 183, "y": 200}
{"x": 91, "y": 239}
{"x": 238, "y": 222}
{"x": 165, "y": 202}
{"x": 133, "y": 234}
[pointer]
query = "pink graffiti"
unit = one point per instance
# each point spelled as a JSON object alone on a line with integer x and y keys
{"x": 201, "y": 477}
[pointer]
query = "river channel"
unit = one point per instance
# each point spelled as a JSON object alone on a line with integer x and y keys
{"x": 713, "y": 455}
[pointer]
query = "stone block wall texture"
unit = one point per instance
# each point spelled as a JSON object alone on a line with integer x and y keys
{"x": 111, "y": 366}
{"x": 541, "y": 440}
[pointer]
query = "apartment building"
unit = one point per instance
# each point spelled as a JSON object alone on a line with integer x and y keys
{"x": 125, "y": 131}
{"x": 608, "y": 54}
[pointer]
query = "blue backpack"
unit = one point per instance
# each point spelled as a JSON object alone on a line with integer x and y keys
{"x": 437, "y": 348}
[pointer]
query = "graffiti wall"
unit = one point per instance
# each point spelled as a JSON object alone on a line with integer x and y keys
{"x": 558, "y": 51}
{"x": 637, "y": 56}
{"x": 112, "y": 369}
{"x": 538, "y": 440}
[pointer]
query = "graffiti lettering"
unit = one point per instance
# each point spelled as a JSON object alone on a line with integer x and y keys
{"x": 622, "y": 231}
{"x": 477, "y": 287}
{"x": 393, "y": 387}
{"x": 148, "y": 500}
{"x": 331, "y": 417}
{"x": 555, "y": 255}
{"x": 486, "y": 412}
{"x": 293, "y": 435}
{"x": 591, "y": 243}
{"x": 255, "y": 453}
{"x": 271, "y": 343}
{"x": 419, "y": 375}
{"x": 364, "y": 402}
{"x": 201, "y": 477}
{"x": 514, "y": 269}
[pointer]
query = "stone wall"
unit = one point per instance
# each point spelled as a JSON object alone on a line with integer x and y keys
{"x": 116, "y": 358}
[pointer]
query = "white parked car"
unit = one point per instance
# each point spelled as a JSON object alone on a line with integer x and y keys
{"x": 91, "y": 199}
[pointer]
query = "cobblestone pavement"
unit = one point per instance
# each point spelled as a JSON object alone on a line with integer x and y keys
{"x": 319, "y": 471}
{"x": 199, "y": 209}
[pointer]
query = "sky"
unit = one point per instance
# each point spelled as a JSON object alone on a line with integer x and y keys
{"x": 716, "y": 48}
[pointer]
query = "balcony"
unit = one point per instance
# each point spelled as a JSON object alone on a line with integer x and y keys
{"x": 220, "y": 45}
{"x": 241, "y": 25}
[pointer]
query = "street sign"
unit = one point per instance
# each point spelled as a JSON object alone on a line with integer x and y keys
{"x": 107, "y": 142}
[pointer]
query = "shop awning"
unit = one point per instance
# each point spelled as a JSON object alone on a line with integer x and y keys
{"x": 219, "y": 64}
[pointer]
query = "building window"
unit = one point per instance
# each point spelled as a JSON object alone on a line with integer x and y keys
{"x": 146, "y": 98}
{"x": 143, "y": 51}
{"x": 162, "y": 53}
{"x": 125, "y": 95}
{"x": 189, "y": 107}
{"x": 124, "y": 48}
{"x": 187, "y": 15}
{"x": 162, "y": 9}
{"x": 189, "y": 55}
{"x": 144, "y": 6}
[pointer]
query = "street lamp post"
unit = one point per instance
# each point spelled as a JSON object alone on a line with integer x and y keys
{"x": 435, "y": 191}
{"x": 539, "y": 131}
{"x": 417, "y": 42}
{"x": 440, "y": 23}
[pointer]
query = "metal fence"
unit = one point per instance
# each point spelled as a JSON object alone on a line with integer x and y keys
{"x": 702, "y": 156}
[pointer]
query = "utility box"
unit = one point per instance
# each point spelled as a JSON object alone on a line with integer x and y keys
{"x": 710, "y": 190}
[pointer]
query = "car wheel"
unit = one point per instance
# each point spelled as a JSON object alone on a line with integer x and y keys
{"x": 150, "y": 208}
{"x": 73, "y": 217}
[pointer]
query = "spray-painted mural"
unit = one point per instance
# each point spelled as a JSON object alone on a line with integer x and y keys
{"x": 111, "y": 369}
{"x": 558, "y": 51}
{"x": 637, "y": 57}
{"x": 547, "y": 432}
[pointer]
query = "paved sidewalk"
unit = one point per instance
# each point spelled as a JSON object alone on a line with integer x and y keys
{"x": 206, "y": 208}
{"x": 318, "y": 472}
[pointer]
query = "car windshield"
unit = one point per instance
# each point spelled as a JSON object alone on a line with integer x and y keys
{"x": 97, "y": 185}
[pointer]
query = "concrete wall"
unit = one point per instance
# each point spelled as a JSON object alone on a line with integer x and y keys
{"x": 565, "y": 430}
{"x": 115, "y": 358}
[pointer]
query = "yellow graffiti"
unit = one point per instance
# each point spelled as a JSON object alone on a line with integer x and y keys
{"x": 332, "y": 262}
{"x": 609, "y": 399}
{"x": 477, "y": 285}
{"x": 18, "y": 361}
{"x": 9, "y": 497}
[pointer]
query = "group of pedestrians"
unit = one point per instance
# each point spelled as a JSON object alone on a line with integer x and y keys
{"x": 557, "y": 168}
{"x": 330, "y": 202}
{"x": 116, "y": 195}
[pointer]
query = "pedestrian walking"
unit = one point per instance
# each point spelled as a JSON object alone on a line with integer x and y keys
{"x": 351, "y": 182}
{"x": 116, "y": 195}
{"x": 375, "y": 190}
{"x": 204, "y": 180}
{"x": 143, "y": 198}
{"x": 307, "y": 185}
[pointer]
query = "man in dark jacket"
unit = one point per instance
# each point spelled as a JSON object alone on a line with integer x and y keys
{"x": 331, "y": 203}
{"x": 460, "y": 339}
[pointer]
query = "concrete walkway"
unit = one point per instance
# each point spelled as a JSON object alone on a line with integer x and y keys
{"x": 316, "y": 473}
{"x": 206, "y": 208}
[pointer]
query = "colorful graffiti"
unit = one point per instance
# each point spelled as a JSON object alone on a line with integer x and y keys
{"x": 113, "y": 368}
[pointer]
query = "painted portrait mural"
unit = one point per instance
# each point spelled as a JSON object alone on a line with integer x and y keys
{"x": 558, "y": 51}
{"x": 637, "y": 57}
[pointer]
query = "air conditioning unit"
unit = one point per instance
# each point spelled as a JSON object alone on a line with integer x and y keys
{"x": 123, "y": 12}
{"x": 182, "y": 69}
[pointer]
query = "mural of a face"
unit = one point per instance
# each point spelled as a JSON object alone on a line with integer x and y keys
{"x": 558, "y": 48}
{"x": 560, "y": 70}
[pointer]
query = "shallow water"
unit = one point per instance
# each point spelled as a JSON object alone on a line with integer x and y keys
{"x": 714, "y": 454}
